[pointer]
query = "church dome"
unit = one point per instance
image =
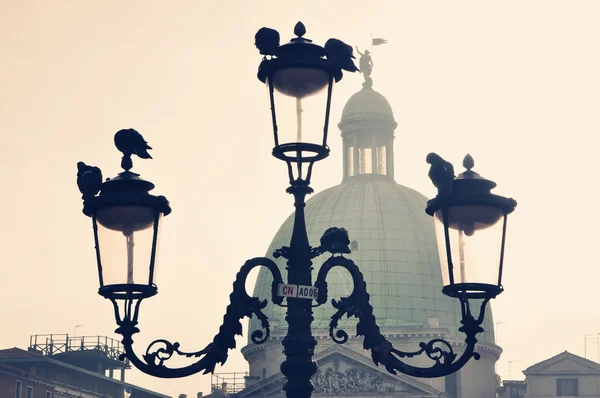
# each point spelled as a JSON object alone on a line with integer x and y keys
{"x": 394, "y": 244}
{"x": 367, "y": 102}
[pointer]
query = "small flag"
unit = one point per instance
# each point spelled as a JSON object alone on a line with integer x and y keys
{"x": 377, "y": 41}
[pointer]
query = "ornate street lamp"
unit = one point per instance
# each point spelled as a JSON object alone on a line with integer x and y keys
{"x": 470, "y": 224}
{"x": 466, "y": 215}
{"x": 300, "y": 76}
{"x": 126, "y": 223}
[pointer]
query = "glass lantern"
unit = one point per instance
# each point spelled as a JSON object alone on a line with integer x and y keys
{"x": 126, "y": 221}
{"x": 299, "y": 82}
{"x": 470, "y": 226}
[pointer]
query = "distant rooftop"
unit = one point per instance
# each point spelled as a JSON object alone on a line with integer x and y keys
{"x": 17, "y": 355}
{"x": 80, "y": 350}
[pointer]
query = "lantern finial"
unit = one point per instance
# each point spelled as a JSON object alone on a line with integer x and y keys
{"x": 468, "y": 162}
{"x": 299, "y": 29}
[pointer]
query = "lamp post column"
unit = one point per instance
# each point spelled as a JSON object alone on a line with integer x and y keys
{"x": 299, "y": 343}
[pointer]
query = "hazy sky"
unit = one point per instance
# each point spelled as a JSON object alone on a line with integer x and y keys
{"x": 514, "y": 83}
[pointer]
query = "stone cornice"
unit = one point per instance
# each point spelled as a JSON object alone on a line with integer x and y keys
{"x": 367, "y": 121}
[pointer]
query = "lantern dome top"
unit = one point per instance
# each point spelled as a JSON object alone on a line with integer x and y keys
{"x": 300, "y": 52}
{"x": 468, "y": 188}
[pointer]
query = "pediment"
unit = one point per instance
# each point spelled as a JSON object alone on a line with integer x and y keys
{"x": 564, "y": 364}
{"x": 344, "y": 372}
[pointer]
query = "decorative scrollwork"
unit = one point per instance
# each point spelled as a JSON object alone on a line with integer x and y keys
{"x": 161, "y": 354}
{"x": 382, "y": 351}
{"x": 241, "y": 305}
{"x": 344, "y": 306}
{"x": 258, "y": 336}
{"x": 286, "y": 252}
{"x": 438, "y": 350}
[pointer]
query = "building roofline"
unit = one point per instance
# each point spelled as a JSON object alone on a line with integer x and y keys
{"x": 538, "y": 368}
{"x": 29, "y": 357}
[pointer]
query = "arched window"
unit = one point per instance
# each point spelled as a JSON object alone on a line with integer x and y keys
{"x": 381, "y": 160}
{"x": 350, "y": 161}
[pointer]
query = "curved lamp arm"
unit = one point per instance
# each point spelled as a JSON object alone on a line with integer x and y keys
{"x": 241, "y": 305}
{"x": 382, "y": 351}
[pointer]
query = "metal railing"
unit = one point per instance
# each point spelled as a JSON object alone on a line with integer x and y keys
{"x": 53, "y": 344}
{"x": 228, "y": 383}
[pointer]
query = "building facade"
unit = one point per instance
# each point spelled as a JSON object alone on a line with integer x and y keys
{"x": 59, "y": 370}
{"x": 393, "y": 242}
{"x": 563, "y": 375}
{"x": 512, "y": 389}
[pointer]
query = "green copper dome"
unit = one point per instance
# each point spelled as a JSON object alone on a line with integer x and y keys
{"x": 397, "y": 254}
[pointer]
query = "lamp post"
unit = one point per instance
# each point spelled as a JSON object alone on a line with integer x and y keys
{"x": 299, "y": 75}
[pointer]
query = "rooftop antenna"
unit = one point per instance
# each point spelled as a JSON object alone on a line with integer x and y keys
{"x": 510, "y": 368}
{"x": 497, "y": 329}
{"x": 595, "y": 337}
{"x": 75, "y": 330}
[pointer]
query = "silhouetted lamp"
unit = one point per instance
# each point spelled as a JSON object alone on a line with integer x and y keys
{"x": 126, "y": 220}
{"x": 470, "y": 225}
{"x": 300, "y": 81}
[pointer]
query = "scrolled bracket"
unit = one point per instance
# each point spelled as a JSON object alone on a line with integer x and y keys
{"x": 382, "y": 351}
{"x": 286, "y": 252}
{"x": 153, "y": 362}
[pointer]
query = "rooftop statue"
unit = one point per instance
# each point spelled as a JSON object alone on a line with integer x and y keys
{"x": 366, "y": 66}
{"x": 366, "y": 62}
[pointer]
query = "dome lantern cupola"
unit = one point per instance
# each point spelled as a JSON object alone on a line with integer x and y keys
{"x": 367, "y": 127}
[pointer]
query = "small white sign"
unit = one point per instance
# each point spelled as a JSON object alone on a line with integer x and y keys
{"x": 307, "y": 292}
{"x": 298, "y": 291}
{"x": 287, "y": 290}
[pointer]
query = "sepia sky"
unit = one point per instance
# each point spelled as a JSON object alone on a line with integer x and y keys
{"x": 514, "y": 83}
